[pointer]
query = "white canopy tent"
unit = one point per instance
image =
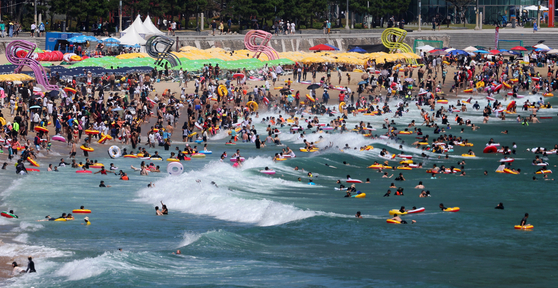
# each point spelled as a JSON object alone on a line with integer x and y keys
{"x": 150, "y": 27}
{"x": 534, "y": 8}
{"x": 132, "y": 37}
{"x": 137, "y": 25}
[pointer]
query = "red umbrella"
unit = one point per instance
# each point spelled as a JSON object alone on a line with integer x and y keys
{"x": 494, "y": 52}
{"x": 519, "y": 48}
{"x": 322, "y": 47}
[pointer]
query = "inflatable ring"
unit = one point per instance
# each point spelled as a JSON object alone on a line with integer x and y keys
{"x": 222, "y": 91}
{"x": 69, "y": 89}
{"x": 41, "y": 129}
{"x": 81, "y": 211}
{"x": 442, "y": 101}
{"x": 341, "y": 106}
{"x": 451, "y": 209}
{"x": 130, "y": 156}
{"x": 2, "y": 121}
{"x": 468, "y": 91}
{"x": 508, "y": 86}
{"x": 175, "y": 168}
{"x": 391, "y": 221}
{"x": 60, "y": 219}
{"x": 518, "y": 227}
{"x": 252, "y": 105}
{"x": 446, "y": 62}
{"x": 8, "y": 215}
{"x": 480, "y": 84}
{"x": 33, "y": 162}
{"x": 103, "y": 139}
{"x": 192, "y": 134}
{"x": 310, "y": 98}
{"x": 548, "y": 94}
{"x": 404, "y": 168}
{"x": 91, "y": 132}
{"x": 114, "y": 152}
{"x": 88, "y": 149}
{"x": 538, "y": 172}
{"x": 467, "y": 155}
{"x": 361, "y": 195}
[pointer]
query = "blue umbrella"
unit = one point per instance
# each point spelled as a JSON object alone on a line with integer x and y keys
{"x": 540, "y": 50}
{"x": 362, "y": 82}
{"x": 358, "y": 50}
{"x": 481, "y": 51}
{"x": 111, "y": 40}
{"x": 78, "y": 39}
{"x": 91, "y": 38}
{"x": 460, "y": 52}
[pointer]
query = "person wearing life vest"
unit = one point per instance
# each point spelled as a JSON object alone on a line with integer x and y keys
{"x": 124, "y": 177}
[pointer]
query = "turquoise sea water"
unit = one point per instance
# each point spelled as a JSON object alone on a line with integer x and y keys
{"x": 260, "y": 231}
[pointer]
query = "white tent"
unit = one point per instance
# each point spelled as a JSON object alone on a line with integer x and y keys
{"x": 138, "y": 26}
{"x": 132, "y": 37}
{"x": 425, "y": 48}
{"x": 150, "y": 27}
{"x": 534, "y": 8}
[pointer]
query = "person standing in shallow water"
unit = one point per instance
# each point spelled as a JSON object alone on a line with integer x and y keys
{"x": 30, "y": 266}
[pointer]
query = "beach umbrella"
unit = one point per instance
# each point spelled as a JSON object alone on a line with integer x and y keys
{"x": 334, "y": 48}
{"x": 77, "y": 39}
{"x": 425, "y": 48}
{"x": 450, "y": 49}
{"x": 117, "y": 109}
{"x": 358, "y": 50}
{"x": 362, "y": 82}
{"x": 110, "y": 40}
{"x": 541, "y": 50}
{"x": 458, "y": 52}
{"x": 439, "y": 52}
{"x": 553, "y": 51}
{"x": 481, "y": 51}
{"x": 470, "y": 49}
{"x": 35, "y": 107}
{"x": 518, "y": 48}
{"x": 542, "y": 46}
{"x": 480, "y": 47}
{"x": 494, "y": 52}
{"x": 313, "y": 86}
{"x": 321, "y": 47}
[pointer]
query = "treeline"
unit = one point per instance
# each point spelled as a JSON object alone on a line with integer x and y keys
{"x": 306, "y": 13}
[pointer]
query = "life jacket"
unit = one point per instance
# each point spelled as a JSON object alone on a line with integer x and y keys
{"x": 125, "y": 178}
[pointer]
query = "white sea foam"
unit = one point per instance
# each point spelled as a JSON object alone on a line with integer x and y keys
{"x": 89, "y": 267}
{"x": 186, "y": 195}
{"x": 189, "y": 237}
{"x": 22, "y": 238}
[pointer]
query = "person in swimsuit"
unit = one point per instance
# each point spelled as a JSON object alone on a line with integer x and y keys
{"x": 164, "y": 209}
{"x": 524, "y": 220}
{"x": 500, "y": 206}
{"x": 357, "y": 215}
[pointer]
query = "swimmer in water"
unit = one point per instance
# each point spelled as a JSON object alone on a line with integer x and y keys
{"x": 357, "y": 215}
{"x": 524, "y": 220}
{"x": 500, "y": 206}
{"x": 442, "y": 206}
{"x": 419, "y": 186}
{"x": 330, "y": 166}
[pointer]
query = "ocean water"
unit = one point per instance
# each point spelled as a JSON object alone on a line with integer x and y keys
{"x": 259, "y": 230}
